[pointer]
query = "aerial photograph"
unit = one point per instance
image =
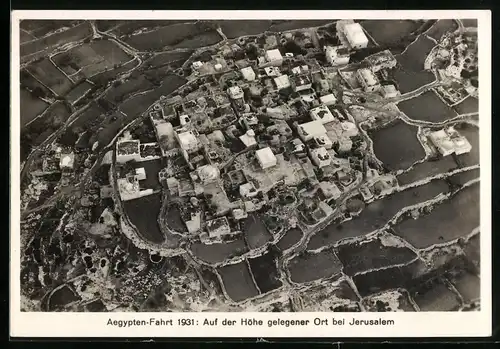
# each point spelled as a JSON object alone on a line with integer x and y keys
{"x": 249, "y": 165}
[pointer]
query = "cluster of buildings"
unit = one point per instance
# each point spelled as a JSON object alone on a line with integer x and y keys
{"x": 270, "y": 120}
{"x": 449, "y": 141}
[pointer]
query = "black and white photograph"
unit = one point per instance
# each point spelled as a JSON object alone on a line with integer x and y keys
{"x": 249, "y": 165}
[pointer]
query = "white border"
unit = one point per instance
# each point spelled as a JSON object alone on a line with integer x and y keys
{"x": 453, "y": 324}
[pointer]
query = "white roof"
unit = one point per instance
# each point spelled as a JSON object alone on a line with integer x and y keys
{"x": 273, "y": 55}
{"x": 248, "y": 139}
{"x": 328, "y": 99}
{"x": 355, "y": 34}
{"x": 282, "y": 81}
{"x": 139, "y": 171}
{"x": 187, "y": 139}
{"x": 368, "y": 76}
{"x": 265, "y": 156}
{"x": 313, "y": 128}
{"x": 248, "y": 73}
{"x": 164, "y": 129}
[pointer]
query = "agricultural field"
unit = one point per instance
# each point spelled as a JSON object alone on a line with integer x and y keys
{"x": 207, "y": 38}
{"x": 426, "y": 169}
{"x": 376, "y": 214}
{"x": 89, "y": 59}
{"x": 441, "y": 27}
{"x": 79, "y": 91}
{"x": 234, "y": 29}
{"x": 111, "y": 74}
{"x": 469, "y": 23}
{"x": 298, "y": 24}
{"x": 217, "y": 253}
{"x": 265, "y": 272}
{"x": 25, "y": 36}
{"x": 62, "y": 297}
{"x": 73, "y": 34}
{"x": 290, "y": 238}
{"x": 50, "y": 76}
{"x": 314, "y": 266}
{"x": 467, "y": 106}
{"x": 408, "y": 80}
{"x": 41, "y": 28}
{"x": 397, "y": 145}
{"x": 470, "y": 132}
{"x": 256, "y": 234}
{"x": 472, "y": 250}
{"x": 454, "y": 218}
{"x": 467, "y": 284}
{"x": 390, "y": 32}
{"x": 389, "y": 278}
{"x": 31, "y": 106}
{"x": 124, "y": 28}
{"x": 461, "y": 178}
{"x": 174, "y": 220}
{"x": 91, "y": 118}
{"x": 434, "y": 295}
{"x": 427, "y": 107}
{"x": 139, "y": 104}
{"x": 172, "y": 36}
{"x": 237, "y": 281}
{"x": 413, "y": 58}
{"x": 143, "y": 213}
{"x": 166, "y": 58}
{"x": 372, "y": 254}
{"x": 42, "y": 127}
{"x": 131, "y": 86}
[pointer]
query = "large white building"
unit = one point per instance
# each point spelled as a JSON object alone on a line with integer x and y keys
{"x": 442, "y": 141}
{"x": 368, "y": 80}
{"x": 266, "y": 158}
{"x": 323, "y": 114}
{"x": 188, "y": 141}
{"x": 248, "y": 73}
{"x": 337, "y": 55}
{"x": 274, "y": 57}
{"x": 355, "y": 36}
{"x": 311, "y": 129}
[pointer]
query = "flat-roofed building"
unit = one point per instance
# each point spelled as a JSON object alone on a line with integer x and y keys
{"x": 320, "y": 157}
{"x": 441, "y": 140}
{"x": 355, "y": 36}
{"x": 218, "y": 227}
{"x": 274, "y": 57}
{"x": 328, "y": 99}
{"x": 368, "y": 80}
{"x": 282, "y": 82}
{"x": 266, "y": 158}
{"x": 323, "y": 114}
{"x": 337, "y": 55}
{"x": 311, "y": 129}
{"x": 188, "y": 141}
